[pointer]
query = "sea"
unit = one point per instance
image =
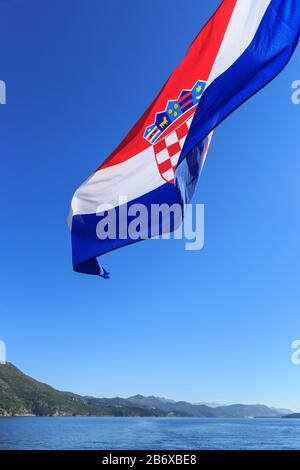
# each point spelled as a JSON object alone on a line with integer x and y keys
{"x": 111, "y": 433}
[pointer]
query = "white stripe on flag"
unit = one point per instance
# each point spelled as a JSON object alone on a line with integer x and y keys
{"x": 132, "y": 178}
{"x": 243, "y": 25}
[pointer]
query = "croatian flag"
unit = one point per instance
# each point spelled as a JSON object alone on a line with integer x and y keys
{"x": 240, "y": 49}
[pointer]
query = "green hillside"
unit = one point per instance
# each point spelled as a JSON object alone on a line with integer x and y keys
{"x": 22, "y": 395}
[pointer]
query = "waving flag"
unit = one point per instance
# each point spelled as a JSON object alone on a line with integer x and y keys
{"x": 241, "y": 48}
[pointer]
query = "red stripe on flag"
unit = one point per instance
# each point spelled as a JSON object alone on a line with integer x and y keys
{"x": 196, "y": 65}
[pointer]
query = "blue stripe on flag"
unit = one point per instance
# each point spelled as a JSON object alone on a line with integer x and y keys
{"x": 89, "y": 246}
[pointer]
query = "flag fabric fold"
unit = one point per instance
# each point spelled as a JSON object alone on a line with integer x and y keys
{"x": 241, "y": 48}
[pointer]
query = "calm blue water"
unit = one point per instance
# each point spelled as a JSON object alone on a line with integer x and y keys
{"x": 148, "y": 433}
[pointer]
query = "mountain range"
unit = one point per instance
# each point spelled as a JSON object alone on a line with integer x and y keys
{"x": 21, "y": 395}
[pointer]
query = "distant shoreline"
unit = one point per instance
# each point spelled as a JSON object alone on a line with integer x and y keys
{"x": 211, "y": 418}
{"x": 22, "y": 396}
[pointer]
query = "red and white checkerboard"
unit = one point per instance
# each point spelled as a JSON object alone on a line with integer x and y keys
{"x": 167, "y": 151}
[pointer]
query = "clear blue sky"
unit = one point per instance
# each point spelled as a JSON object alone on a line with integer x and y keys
{"x": 213, "y": 325}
